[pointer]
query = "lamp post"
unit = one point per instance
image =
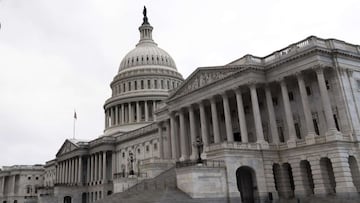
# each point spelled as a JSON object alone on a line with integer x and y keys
{"x": 199, "y": 144}
{"x": 131, "y": 159}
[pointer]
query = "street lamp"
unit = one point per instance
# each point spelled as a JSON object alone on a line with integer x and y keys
{"x": 131, "y": 159}
{"x": 199, "y": 144}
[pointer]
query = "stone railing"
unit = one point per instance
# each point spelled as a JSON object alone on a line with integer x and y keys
{"x": 307, "y": 43}
{"x": 204, "y": 163}
{"x": 128, "y": 175}
{"x": 138, "y": 132}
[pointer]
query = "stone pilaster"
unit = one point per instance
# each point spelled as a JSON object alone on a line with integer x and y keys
{"x": 80, "y": 171}
{"x": 131, "y": 117}
{"x": 138, "y": 112}
{"x": 342, "y": 173}
{"x": 146, "y": 111}
{"x": 298, "y": 177}
{"x": 104, "y": 166}
{"x": 319, "y": 185}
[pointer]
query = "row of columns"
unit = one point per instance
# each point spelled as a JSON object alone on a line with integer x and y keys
{"x": 69, "y": 171}
{"x": 125, "y": 113}
{"x": 184, "y": 148}
{"x": 154, "y": 84}
{"x": 96, "y": 168}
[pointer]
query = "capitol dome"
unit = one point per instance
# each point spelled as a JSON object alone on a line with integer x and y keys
{"x": 145, "y": 76}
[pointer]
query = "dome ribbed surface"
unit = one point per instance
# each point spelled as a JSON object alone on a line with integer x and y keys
{"x": 147, "y": 54}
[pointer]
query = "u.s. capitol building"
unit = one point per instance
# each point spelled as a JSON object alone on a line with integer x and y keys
{"x": 285, "y": 126}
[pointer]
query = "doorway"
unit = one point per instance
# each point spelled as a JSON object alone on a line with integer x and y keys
{"x": 246, "y": 183}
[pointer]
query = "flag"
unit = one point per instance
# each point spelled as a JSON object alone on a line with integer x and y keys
{"x": 75, "y": 117}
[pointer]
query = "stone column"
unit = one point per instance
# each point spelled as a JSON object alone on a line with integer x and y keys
{"x": 88, "y": 170}
{"x": 257, "y": 116}
{"x": 228, "y": 122}
{"x": 130, "y": 113}
{"x": 169, "y": 140}
{"x": 194, "y": 150}
{"x": 306, "y": 108}
{"x": 116, "y": 115}
{"x": 113, "y": 160}
{"x": 288, "y": 115}
{"x": 332, "y": 132}
{"x": 99, "y": 175}
{"x": 241, "y": 115}
{"x": 76, "y": 171}
{"x": 161, "y": 141}
{"x": 112, "y": 116}
{"x": 272, "y": 118}
{"x": 173, "y": 139}
{"x": 92, "y": 168}
{"x": 138, "y": 113}
{"x": 204, "y": 128}
{"x": 80, "y": 172}
{"x": 154, "y": 108}
{"x": 146, "y": 111}
{"x": 104, "y": 167}
{"x": 106, "y": 118}
{"x": 215, "y": 120}
{"x": 183, "y": 138}
{"x": 122, "y": 113}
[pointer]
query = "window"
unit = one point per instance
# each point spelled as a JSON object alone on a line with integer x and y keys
{"x": 297, "y": 130}
{"x": 168, "y": 84}
{"x": 37, "y": 178}
{"x": 316, "y": 126}
{"x": 28, "y": 189}
{"x": 148, "y": 84}
{"x": 123, "y": 154}
{"x": 135, "y": 85}
{"x": 336, "y": 122}
{"x": 155, "y": 146}
{"x": 358, "y": 84}
{"x": 29, "y": 178}
{"x": 138, "y": 150}
{"x": 281, "y": 134}
{"x": 162, "y": 84}
{"x": 308, "y": 90}
{"x": 147, "y": 148}
{"x": 291, "y": 96}
{"x": 129, "y": 85}
{"x": 142, "y": 84}
{"x": 124, "y": 87}
{"x": 327, "y": 84}
{"x": 155, "y": 84}
{"x": 246, "y": 109}
{"x": 275, "y": 101}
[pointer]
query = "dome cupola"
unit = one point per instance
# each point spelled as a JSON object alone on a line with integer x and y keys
{"x": 145, "y": 76}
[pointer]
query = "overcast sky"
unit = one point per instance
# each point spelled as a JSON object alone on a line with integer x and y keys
{"x": 61, "y": 55}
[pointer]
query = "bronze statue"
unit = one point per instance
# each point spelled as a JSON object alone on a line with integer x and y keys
{"x": 145, "y": 19}
{"x": 144, "y": 11}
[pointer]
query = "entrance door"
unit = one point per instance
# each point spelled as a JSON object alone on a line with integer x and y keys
{"x": 245, "y": 183}
{"x": 67, "y": 199}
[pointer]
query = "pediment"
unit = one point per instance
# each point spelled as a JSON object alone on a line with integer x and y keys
{"x": 67, "y": 147}
{"x": 203, "y": 77}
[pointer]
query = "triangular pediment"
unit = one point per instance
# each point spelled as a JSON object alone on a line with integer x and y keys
{"x": 67, "y": 147}
{"x": 202, "y": 77}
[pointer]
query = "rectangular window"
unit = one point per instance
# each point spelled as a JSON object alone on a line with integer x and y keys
{"x": 129, "y": 86}
{"x": 135, "y": 85}
{"x": 308, "y": 90}
{"x": 162, "y": 84}
{"x": 275, "y": 101}
{"x": 281, "y": 134}
{"x": 316, "y": 126}
{"x": 297, "y": 130}
{"x": 142, "y": 84}
{"x": 291, "y": 96}
{"x": 358, "y": 84}
{"x": 168, "y": 84}
{"x": 327, "y": 84}
{"x": 148, "y": 84}
{"x": 155, "y": 84}
{"x": 124, "y": 89}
